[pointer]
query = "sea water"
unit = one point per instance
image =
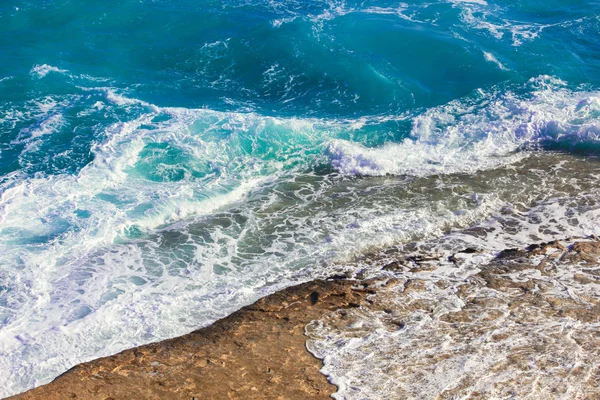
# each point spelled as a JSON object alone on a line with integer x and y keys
{"x": 164, "y": 163}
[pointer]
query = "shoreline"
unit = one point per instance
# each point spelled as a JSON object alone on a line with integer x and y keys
{"x": 257, "y": 352}
{"x": 262, "y": 350}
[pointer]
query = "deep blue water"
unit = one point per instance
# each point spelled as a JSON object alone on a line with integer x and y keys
{"x": 163, "y": 163}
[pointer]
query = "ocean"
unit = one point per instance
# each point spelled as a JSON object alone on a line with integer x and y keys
{"x": 164, "y": 163}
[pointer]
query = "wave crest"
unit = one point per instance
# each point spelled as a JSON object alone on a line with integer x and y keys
{"x": 482, "y": 131}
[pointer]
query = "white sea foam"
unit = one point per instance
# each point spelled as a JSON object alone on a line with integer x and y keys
{"x": 86, "y": 274}
{"x": 47, "y": 126}
{"x": 480, "y": 133}
{"x": 280, "y": 21}
{"x": 119, "y": 99}
{"x": 35, "y": 120}
{"x": 42, "y": 316}
{"x": 482, "y": 16}
{"x": 491, "y": 58}
{"x": 478, "y": 15}
{"x": 42, "y": 70}
{"x": 480, "y": 2}
{"x": 335, "y": 9}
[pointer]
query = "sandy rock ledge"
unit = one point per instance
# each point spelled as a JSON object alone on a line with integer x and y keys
{"x": 257, "y": 352}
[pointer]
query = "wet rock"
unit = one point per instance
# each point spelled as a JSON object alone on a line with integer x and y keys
{"x": 526, "y": 321}
{"x": 314, "y": 297}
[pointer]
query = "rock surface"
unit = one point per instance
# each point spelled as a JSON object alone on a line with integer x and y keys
{"x": 256, "y": 353}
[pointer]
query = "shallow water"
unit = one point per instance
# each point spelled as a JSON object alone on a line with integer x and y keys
{"x": 165, "y": 163}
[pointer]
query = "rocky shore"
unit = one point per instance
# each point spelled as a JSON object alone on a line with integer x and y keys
{"x": 530, "y": 317}
{"x": 257, "y": 352}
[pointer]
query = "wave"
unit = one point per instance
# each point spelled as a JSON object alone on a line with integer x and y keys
{"x": 40, "y": 71}
{"x": 481, "y": 132}
{"x": 177, "y": 159}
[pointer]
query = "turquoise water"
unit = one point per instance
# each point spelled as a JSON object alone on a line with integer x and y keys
{"x": 164, "y": 163}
